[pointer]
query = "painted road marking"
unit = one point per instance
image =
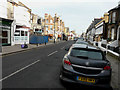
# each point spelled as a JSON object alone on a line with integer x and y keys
{"x": 52, "y": 53}
{"x": 19, "y": 70}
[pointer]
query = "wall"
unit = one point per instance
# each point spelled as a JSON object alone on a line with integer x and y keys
{"x": 22, "y": 16}
{"x": 3, "y": 8}
{"x": 10, "y": 11}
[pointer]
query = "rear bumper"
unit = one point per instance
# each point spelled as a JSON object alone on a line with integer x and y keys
{"x": 67, "y": 76}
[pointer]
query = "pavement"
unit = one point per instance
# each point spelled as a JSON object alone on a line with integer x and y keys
{"x": 110, "y": 52}
{"x": 115, "y": 65}
{"x": 17, "y": 48}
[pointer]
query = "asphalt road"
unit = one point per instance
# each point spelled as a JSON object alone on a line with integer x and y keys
{"x": 40, "y": 68}
{"x": 36, "y": 68}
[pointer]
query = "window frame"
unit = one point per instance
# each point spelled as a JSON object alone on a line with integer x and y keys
{"x": 114, "y": 17}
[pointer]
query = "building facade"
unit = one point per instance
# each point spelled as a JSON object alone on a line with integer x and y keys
{"x": 22, "y": 23}
{"x": 53, "y": 27}
{"x": 90, "y": 33}
{"x": 6, "y": 25}
{"x": 48, "y": 26}
{"x": 114, "y": 29}
{"x": 36, "y": 24}
{"x": 101, "y": 31}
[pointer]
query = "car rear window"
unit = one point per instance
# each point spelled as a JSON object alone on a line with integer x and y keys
{"x": 86, "y": 53}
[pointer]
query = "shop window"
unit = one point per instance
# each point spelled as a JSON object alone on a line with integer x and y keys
{"x": 17, "y": 33}
{"x": 22, "y": 33}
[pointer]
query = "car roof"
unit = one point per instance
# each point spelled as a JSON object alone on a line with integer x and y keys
{"x": 84, "y": 46}
{"x": 81, "y": 41}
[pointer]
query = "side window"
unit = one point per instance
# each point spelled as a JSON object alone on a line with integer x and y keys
{"x": 108, "y": 33}
{"x": 113, "y": 33}
{"x": 113, "y": 17}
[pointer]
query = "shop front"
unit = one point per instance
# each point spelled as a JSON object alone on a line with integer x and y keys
{"x": 21, "y": 35}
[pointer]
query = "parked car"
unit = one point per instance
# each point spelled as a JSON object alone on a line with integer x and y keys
{"x": 81, "y": 39}
{"x": 86, "y": 65}
{"x": 81, "y": 42}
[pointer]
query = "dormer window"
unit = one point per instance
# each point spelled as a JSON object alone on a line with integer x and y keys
{"x": 114, "y": 17}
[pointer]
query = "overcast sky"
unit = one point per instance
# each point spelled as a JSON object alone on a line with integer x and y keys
{"x": 77, "y": 14}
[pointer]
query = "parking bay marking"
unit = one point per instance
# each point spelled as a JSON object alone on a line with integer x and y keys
{"x": 52, "y": 53}
{"x": 19, "y": 70}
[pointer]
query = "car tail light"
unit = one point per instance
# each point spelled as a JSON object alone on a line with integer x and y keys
{"x": 107, "y": 67}
{"x": 66, "y": 61}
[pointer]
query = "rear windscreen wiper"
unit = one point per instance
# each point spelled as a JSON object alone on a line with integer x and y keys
{"x": 82, "y": 57}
